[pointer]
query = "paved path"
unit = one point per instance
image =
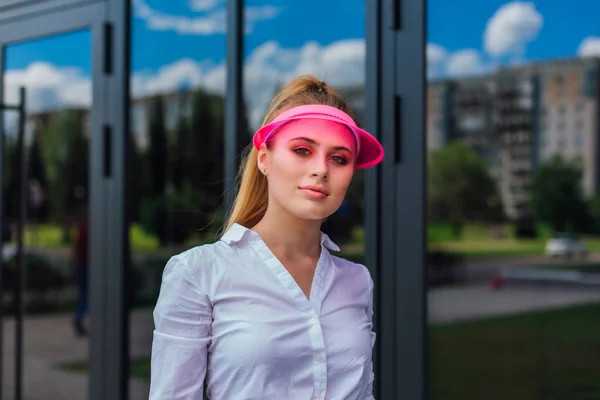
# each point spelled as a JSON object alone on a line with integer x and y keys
{"x": 49, "y": 341}
{"x": 462, "y": 303}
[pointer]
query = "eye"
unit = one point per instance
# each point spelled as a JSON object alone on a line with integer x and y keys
{"x": 302, "y": 151}
{"x": 339, "y": 160}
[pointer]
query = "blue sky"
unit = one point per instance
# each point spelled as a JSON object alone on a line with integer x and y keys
{"x": 182, "y": 43}
{"x": 454, "y": 25}
{"x": 459, "y": 24}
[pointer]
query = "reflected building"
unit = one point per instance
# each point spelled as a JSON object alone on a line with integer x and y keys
{"x": 518, "y": 117}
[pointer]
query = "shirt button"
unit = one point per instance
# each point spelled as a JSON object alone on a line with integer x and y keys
{"x": 317, "y": 397}
{"x": 319, "y": 358}
{"x": 312, "y": 321}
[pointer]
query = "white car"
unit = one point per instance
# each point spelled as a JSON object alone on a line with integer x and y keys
{"x": 565, "y": 245}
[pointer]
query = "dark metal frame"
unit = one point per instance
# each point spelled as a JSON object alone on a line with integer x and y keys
{"x": 19, "y": 285}
{"x": 110, "y": 379}
{"x": 395, "y": 193}
{"x": 108, "y": 22}
{"x": 234, "y": 98}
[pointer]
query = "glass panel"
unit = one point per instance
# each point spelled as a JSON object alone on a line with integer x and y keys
{"x": 514, "y": 222}
{"x": 279, "y": 47}
{"x": 56, "y": 234}
{"x": 177, "y": 131}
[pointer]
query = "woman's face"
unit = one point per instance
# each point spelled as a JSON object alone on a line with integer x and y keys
{"x": 309, "y": 166}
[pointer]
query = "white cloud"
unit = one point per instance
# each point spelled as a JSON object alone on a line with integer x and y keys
{"x": 205, "y": 5}
{"x": 511, "y": 28}
{"x": 49, "y": 87}
{"x": 461, "y": 63}
{"x": 213, "y": 21}
{"x": 590, "y": 46}
{"x": 436, "y": 58}
{"x": 341, "y": 64}
{"x": 465, "y": 62}
{"x": 182, "y": 73}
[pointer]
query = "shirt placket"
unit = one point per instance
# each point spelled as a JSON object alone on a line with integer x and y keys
{"x": 309, "y": 309}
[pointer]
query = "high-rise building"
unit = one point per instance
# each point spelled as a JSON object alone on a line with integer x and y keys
{"x": 518, "y": 117}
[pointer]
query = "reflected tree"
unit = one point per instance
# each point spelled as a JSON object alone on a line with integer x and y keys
{"x": 460, "y": 188}
{"x": 64, "y": 150}
{"x": 557, "y": 196}
{"x": 188, "y": 188}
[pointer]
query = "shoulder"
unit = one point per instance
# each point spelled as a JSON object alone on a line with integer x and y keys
{"x": 203, "y": 255}
{"x": 197, "y": 266}
{"x": 359, "y": 271}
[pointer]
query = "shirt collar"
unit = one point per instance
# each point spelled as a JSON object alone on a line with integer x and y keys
{"x": 238, "y": 232}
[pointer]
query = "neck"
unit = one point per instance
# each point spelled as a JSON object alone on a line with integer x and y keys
{"x": 290, "y": 236}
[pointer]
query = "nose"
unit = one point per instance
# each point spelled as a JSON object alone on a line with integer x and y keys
{"x": 320, "y": 168}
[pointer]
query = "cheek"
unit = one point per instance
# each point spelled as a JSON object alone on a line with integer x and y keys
{"x": 284, "y": 166}
{"x": 342, "y": 180}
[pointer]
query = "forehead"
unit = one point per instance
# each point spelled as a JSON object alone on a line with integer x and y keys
{"x": 321, "y": 131}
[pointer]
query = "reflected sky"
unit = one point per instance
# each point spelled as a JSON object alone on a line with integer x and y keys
{"x": 183, "y": 44}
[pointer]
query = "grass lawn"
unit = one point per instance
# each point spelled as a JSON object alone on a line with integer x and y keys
{"x": 551, "y": 355}
{"x": 547, "y": 355}
{"x": 477, "y": 242}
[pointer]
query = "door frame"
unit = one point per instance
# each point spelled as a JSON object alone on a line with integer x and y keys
{"x": 107, "y": 346}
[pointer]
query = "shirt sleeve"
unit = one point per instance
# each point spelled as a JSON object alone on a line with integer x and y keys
{"x": 182, "y": 327}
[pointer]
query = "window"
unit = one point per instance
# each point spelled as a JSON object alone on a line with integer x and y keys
{"x": 590, "y": 82}
{"x": 560, "y": 82}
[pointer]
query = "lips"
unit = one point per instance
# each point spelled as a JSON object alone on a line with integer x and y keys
{"x": 318, "y": 189}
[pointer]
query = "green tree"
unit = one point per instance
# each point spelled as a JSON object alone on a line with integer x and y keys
{"x": 557, "y": 197}
{"x": 64, "y": 149}
{"x": 9, "y": 181}
{"x": 194, "y": 173}
{"x": 594, "y": 213}
{"x": 157, "y": 148}
{"x": 35, "y": 170}
{"x": 460, "y": 188}
{"x": 35, "y": 160}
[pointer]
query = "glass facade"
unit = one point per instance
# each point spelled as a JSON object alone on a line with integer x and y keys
{"x": 334, "y": 54}
{"x": 51, "y": 209}
{"x": 512, "y": 229}
{"x": 176, "y": 134}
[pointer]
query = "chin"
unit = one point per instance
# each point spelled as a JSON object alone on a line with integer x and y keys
{"x": 312, "y": 210}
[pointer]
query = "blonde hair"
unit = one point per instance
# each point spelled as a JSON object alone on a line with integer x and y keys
{"x": 252, "y": 199}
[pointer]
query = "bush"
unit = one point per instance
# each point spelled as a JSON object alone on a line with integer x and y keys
{"x": 40, "y": 275}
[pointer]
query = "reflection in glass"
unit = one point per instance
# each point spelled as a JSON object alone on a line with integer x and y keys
{"x": 56, "y": 142}
{"x": 176, "y": 170}
{"x": 513, "y": 229}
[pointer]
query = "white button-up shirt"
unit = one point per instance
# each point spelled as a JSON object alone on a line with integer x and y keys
{"x": 231, "y": 313}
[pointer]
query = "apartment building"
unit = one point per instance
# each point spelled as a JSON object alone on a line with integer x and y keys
{"x": 568, "y": 116}
{"x": 518, "y": 117}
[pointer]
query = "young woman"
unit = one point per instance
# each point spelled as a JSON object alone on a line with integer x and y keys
{"x": 267, "y": 312}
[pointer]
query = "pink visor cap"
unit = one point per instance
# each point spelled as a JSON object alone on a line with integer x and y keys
{"x": 369, "y": 150}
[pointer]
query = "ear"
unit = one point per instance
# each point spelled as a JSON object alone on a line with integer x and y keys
{"x": 261, "y": 160}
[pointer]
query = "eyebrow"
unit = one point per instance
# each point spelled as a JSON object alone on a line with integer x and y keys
{"x": 311, "y": 141}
